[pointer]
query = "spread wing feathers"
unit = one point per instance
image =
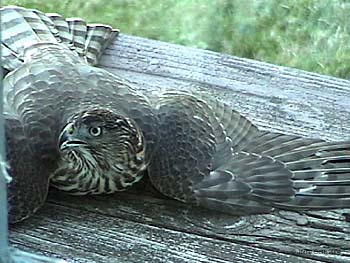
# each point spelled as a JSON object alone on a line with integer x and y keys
{"x": 252, "y": 171}
{"x": 321, "y": 170}
{"x": 23, "y": 28}
{"x": 247, "y": 184}
{"x": 238, "y": 128}
{"x": 185, "y": 165}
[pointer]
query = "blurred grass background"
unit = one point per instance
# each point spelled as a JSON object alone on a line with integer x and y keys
{"x": 307, "y": 34}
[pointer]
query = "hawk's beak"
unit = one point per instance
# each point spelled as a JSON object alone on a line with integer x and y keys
{"x": 68, "y": 139}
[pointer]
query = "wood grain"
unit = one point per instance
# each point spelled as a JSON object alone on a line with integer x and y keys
{"x": 273, "y": 97}
{"x": 107, "y": 229}
{"x": 142, "y": 226}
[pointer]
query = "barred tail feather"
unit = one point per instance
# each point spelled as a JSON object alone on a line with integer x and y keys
{"x": 89, "y": 40}
{"x": 77, "y": 29}
{"x": 23, "y": 28}
{"x": 10, "y": 60}
{"x": 20, "y": 28}
{"x": 98, "y": 37}
{"x": 62, "y": 26}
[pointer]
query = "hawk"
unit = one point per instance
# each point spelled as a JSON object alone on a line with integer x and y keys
{"x": 84, "y": 130}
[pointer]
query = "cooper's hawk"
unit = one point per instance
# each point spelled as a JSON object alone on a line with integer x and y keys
{"x": 86, "y": 131}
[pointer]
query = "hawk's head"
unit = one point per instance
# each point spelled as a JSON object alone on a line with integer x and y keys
{"x": 101, "y": 151}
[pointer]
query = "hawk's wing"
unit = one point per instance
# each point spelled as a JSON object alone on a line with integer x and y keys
{"x": 27, "y": 171}
{"x": 47, "y": 57}
{"x": 249, "y": 171}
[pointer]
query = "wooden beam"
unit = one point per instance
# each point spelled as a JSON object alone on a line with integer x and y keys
{"x": 274, "y": 97}
{"x": 141, "y": 225}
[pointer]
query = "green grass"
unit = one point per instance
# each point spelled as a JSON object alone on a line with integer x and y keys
{"x": 307, "y": 34}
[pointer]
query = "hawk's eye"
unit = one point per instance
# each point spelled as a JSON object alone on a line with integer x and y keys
{"x": 95, "y": 131}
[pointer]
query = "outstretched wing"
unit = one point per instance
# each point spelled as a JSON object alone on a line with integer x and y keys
{"x": 255, "y": 172}
{"x": 321, "y": 170}
{"x": 236, "y": 127}
{"x": 196, "y": 162}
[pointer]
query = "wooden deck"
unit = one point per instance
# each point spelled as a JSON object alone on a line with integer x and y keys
{"x": 142, "y": 226}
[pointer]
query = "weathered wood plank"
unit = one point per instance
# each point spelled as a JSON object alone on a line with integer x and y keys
{"x": 274, "y": 97}
{"x": 140, "y": 225}
{"x": 94, "y": 235}
{"x": 92, "y": 228}
{"x": 287, "y": 232}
